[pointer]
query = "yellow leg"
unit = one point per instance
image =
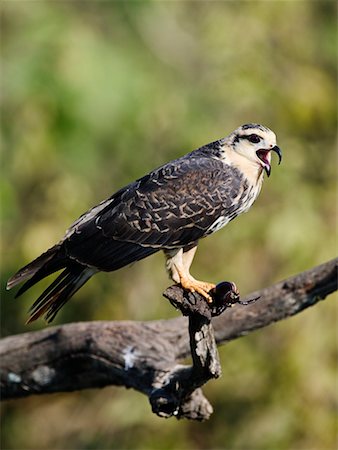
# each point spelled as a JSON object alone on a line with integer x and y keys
{"x": 178, "y": 265}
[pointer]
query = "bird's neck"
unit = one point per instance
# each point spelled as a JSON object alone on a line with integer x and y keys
{"x": 252, "y": 171}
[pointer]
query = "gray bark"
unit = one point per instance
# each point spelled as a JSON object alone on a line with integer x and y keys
{"x": 146, "y": 355}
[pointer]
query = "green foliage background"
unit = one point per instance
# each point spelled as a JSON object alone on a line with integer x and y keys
{"x": 96, "y": 94}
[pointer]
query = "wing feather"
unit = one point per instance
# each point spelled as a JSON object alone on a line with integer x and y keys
{"x": 172, "y": 207}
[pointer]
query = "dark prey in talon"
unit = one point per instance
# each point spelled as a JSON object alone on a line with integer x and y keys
{"x": 226, "y": 295}
{"x": 169, "y": 209}
{"x": 226, "y": 291}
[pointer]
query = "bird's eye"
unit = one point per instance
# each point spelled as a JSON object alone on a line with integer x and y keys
{"x": 254, "y": 138}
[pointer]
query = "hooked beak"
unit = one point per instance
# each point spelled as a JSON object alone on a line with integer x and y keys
{"x": 263, "y": 155}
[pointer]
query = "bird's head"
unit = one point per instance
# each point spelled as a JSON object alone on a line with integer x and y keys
{"x": 255, "y": 142}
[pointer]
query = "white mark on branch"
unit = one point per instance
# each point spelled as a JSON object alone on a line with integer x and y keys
{"x": 129, "y": 357}
{"x": 43, "y": 375}
{"x": 14, "y": 377}
{"x": 201, "y": 345}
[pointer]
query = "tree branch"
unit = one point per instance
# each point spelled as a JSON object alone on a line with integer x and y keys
{"x": 145, "y": 355}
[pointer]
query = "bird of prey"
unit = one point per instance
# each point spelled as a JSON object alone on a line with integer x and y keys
{"x": 169, "y": 209}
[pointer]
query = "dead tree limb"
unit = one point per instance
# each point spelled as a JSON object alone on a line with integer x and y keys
{"x": 145, "y": 355}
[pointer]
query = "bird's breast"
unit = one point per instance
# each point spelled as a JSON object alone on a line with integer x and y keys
{"x": 240, "y": 204}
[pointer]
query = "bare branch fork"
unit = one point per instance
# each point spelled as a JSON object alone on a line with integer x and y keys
{"x": 146, "y": 355}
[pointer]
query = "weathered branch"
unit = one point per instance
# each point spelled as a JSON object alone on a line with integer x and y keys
{"x": 180, "y": 394}
{"x": 146, "y": 355}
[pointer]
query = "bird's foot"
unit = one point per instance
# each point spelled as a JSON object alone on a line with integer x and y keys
{"x": 201, "y": 287}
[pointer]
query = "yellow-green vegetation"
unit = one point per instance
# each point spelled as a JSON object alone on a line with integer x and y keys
{"x": 94, "y": 95}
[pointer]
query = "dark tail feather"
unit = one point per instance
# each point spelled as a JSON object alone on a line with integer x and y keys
{"x": 49, "y": 268}
{"x": 45, "y": 264}
{"x": 60, "y": 291}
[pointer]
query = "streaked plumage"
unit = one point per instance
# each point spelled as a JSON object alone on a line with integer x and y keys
{"x": 169, "y": 209}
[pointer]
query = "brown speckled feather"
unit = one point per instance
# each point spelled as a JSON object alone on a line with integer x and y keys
{"x": 171, "y": 207}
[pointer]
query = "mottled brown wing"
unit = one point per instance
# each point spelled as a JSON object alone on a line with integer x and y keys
{"x": 171, "y": 207}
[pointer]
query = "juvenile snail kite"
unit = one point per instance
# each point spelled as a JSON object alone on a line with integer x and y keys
{"x": 169, "y": 209}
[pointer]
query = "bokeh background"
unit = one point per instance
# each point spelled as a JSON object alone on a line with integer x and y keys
{"x": 94, "y": 95}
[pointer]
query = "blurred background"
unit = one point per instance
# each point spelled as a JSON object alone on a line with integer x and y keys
{"x": 96, "y": 94}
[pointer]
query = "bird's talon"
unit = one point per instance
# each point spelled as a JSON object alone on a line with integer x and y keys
{"x": 201, "y": 287}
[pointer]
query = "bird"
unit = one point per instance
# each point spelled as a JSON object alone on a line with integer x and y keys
{"x": 169, "y": 209}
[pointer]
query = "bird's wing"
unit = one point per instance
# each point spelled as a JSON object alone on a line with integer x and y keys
{"x": 171, "y": 207}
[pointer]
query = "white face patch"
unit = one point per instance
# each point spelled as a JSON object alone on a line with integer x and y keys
{"x": 247, "y": 140}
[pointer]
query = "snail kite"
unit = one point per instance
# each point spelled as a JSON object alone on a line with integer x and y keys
{"x": 169, "y": 209}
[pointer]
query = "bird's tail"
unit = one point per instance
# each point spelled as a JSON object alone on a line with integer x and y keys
{"x": 59, "y": 292}
{"x": 44, "y": 265}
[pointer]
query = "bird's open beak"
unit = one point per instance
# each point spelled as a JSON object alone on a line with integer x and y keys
{"x": 264, "y": 156}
